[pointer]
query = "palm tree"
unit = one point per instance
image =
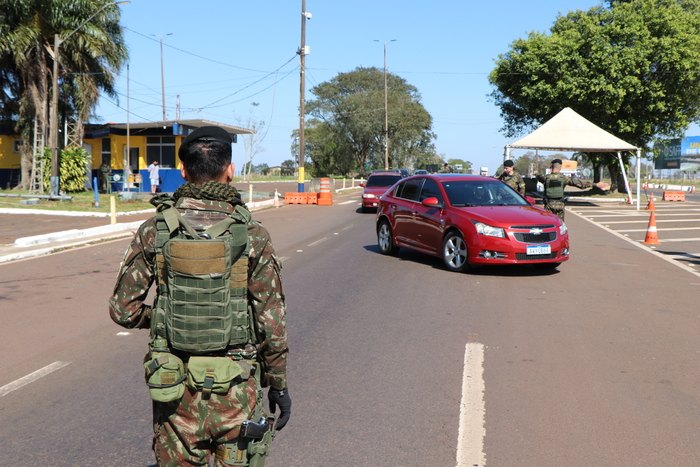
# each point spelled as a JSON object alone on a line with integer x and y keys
{"x": 92, "y": 51}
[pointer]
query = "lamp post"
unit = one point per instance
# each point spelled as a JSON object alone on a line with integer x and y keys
{"x": 53, "y": 121}
{"x": 386, "y": 110}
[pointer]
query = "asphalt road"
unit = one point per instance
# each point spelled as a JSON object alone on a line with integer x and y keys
{"x": 593, "y": 365}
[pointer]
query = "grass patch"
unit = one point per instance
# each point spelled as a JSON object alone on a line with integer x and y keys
{"x": 79, "y": 202}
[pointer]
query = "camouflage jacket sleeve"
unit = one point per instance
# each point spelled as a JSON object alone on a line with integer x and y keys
{"x": 136, "y": 274}
{"x": 267, "y": 299}
{"x": 573, "y": 181}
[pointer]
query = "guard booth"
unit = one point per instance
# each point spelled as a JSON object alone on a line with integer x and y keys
{"x": 134, "y": 146}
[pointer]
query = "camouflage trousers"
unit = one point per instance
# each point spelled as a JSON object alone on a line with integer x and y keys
{"x": 188, "y": 431}
{"x": 556, "y": 206}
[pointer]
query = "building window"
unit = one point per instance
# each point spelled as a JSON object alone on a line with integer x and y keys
{"x": 106, "y": 152}
{"x": 161, "y": 149}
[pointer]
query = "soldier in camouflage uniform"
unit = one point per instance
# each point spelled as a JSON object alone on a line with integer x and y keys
{"x": 512, "y": 178}
{"x": 199, "y": 426}
{"x": 554, "y": 184}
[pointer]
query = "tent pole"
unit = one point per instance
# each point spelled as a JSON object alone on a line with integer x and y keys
{"x": 639, "y": 171}
{"x": 624, "y": 176}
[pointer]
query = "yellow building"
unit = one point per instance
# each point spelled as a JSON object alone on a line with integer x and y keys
{"x": 114, "y": 146}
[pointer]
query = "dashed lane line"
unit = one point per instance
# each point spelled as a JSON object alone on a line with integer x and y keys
{"x": 31, "y": 377}
{"x": 472, "y": 416}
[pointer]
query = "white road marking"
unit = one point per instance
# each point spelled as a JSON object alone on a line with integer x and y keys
{"x": 641, "y": 245}
{"x": 123, "y": 333}
{"x": 300, "y": 251}
{"x": 472, "y": 431}
{"x": 668, "y": 240}
{"x": 320, "y": 240}
{"x": 31, "y": 377}
{"x": 349, "y": 202}
{"x": 665, "y": 229}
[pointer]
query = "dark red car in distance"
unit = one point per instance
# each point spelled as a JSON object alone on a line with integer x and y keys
{"x": 467, "y": 220}
{"x": 375, "y": 186}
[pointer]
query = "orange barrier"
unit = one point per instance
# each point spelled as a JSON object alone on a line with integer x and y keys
{"x": 312, "y": 197}
{"x": 652, "y": 238}
{"x": 300, "y": 198}
{"x": 674, "y": 196}
{"x": 294, "y": 198}
{"x": 324, "y": 197}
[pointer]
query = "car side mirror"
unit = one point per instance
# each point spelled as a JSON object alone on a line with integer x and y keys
{"x": 432, "y": 202}
{"x": 531, "y": 200}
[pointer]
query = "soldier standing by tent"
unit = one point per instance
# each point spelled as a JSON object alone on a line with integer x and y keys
{"x": 554, "y": 184}
{"x": 512, "y": 177}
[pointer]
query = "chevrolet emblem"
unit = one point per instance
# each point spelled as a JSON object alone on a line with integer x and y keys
{"x": 535, "y": 231}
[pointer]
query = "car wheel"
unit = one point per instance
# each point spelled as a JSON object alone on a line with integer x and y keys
{"x": 454, "y": 252}
{"x": 385, "y": 239}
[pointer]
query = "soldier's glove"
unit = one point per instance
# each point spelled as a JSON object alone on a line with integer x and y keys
{"x": 280, "y": 398}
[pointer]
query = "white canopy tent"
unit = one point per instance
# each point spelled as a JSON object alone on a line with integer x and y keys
{"x": 568, "y": 131}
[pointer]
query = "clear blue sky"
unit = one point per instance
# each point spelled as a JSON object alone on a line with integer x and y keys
{"x": 221, "y": 57}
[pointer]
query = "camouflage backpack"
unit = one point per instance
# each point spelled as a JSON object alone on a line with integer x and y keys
{"x": 202, "y": 271}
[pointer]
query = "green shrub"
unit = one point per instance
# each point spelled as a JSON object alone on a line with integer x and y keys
{"x": 72, "y": 173}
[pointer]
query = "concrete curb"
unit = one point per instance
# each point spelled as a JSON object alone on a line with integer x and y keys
{"x": 75, "y": 237}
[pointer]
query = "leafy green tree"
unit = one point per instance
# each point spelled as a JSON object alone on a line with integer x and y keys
{"x": 287, "y": 167}
{"x": 631, "y": 67}
{"x": 347, "y": 124}
{"x": 92, "y": 51}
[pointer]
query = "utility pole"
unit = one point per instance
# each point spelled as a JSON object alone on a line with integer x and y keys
{"x": 53, "y": 118}
{"x": 53, "y": 121}
{"x": 303, "y": 51}
{"x": 386, "y": 111}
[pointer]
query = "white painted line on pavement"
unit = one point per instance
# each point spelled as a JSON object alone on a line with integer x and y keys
{"x": 668, "y": 240}
{"x": 320, "y": 240}
{"x": 642, "y": 246}
{"x": 472, "y": 431}
{"x": 31, "y": 377}
{"x": 123, "y": 333}
{"x": 666, "y": 229}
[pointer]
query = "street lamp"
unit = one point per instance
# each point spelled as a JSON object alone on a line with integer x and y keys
{"x": 386, "y": 111}
{"x": 53, "y": 122}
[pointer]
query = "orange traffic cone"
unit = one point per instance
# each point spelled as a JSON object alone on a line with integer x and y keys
{"x": 652, "y": 238}
{"x": 650, "y": 204}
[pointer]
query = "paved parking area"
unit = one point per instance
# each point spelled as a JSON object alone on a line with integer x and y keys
{"x": 677, "y": 224}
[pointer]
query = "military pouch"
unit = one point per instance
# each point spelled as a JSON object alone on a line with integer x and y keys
{"x": 257, "y": 449}
{"x": 165, "y": 376}
{"x": 214, "y": 374}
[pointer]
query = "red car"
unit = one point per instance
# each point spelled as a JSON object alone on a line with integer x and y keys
{"x": 375, "y": 186}
{"x": 468, "y": 220}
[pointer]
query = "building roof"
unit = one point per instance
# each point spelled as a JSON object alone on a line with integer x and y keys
{"x": 168, "y": 127}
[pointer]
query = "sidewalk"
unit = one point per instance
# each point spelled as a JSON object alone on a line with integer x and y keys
{"x": 28, "y": 233}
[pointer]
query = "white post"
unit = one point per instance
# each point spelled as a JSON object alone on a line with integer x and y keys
{"x": 624, "y": 176}
{"x": 113, "y": 209}
{"x": 639, "y": 170}
{"x": 250, "y": 193}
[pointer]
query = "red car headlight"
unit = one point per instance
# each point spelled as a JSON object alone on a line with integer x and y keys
{"x": 489, "y": 230}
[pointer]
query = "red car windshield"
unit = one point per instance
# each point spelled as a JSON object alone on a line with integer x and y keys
{"x": 482, "y": 193}
{"x": 382, "y": 180}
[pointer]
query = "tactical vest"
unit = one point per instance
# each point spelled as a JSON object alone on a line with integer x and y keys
{"x": 554, "y": 188}
{"x": 202, "y": 271}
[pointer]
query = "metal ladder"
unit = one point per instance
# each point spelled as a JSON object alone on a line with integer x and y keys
{"x": 37, "y": 175}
